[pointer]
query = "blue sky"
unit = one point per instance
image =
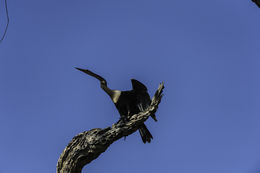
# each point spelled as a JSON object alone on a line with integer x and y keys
{"x": 206, "y": 52}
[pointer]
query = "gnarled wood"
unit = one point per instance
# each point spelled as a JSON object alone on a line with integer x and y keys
{"x": 88, "y": 145}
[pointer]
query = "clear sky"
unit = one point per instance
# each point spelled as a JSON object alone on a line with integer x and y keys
{"x": 206, "y": 52}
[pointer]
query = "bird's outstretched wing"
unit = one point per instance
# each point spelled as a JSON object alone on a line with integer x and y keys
{"x": 101, "y": 79}
{"x": 138, "y": 86}
{"x": 142, "y": 98}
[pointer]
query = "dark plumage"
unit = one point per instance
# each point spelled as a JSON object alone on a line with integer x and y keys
{"x": 129, "y": 102}
{"x": 142, "y": 97}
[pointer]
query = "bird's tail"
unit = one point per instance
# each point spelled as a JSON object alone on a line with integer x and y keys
{"x": 145, "y": 134}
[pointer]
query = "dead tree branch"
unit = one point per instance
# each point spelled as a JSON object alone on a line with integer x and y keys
{"x": 257, "y": 2}
{"x": 7, "y": 24}
{"x": 88, "y": 145}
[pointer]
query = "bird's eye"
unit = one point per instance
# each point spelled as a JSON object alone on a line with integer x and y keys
{"x": 103, "y": 83}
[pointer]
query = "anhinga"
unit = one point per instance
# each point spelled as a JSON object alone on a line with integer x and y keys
{"x": 129, "y": 102}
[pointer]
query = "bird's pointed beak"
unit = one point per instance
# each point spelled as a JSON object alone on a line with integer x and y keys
{"x": 83, "y": 70}
{"x": 78, "y": 68}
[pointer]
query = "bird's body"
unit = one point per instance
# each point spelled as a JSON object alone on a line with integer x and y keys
{"x": 129, "y": 102}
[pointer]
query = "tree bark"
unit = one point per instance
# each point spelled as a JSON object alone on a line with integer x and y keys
{"x": 88, "y": 145}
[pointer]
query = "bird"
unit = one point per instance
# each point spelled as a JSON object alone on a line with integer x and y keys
{"x": 257, "y": 2}
{"x": 128, "y": 102}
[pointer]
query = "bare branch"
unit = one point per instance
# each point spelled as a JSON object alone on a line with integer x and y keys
{"x": 88, "y": 145}
{"x": 7, "y": 24}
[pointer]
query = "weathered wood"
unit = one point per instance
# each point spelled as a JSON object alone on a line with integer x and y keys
{"x": 88, "y": 145}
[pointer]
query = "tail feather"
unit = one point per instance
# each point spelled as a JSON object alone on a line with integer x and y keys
{"x": 145, "y": 134}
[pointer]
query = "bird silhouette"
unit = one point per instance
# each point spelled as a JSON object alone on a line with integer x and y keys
{"x": 129, "y": 102}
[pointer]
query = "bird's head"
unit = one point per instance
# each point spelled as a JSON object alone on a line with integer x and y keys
{"x": 103, "y": 83}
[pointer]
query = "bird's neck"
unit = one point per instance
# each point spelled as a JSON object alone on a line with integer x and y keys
{"x": 113, "y": 94}
{"x": 107, "y": 90}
